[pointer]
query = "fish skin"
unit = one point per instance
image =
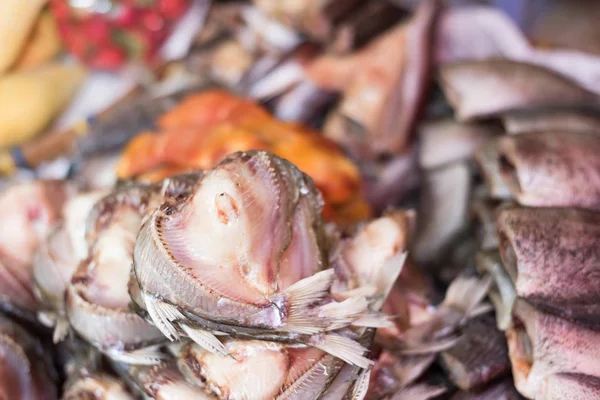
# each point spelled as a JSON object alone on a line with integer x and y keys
{"x": 570, "y": 386}
{"x": 504, "y": 86}
{"x": 443, "y": 211}
{"x": 551, "y": 169}
{"x": 569, "y": 120}
{"x": 557, "y": 346}
{"x": 446, "y": 141}
{"x": 29, "y": 212}
{"x": 478, "y": 357}
{"x": 540, "y": 247}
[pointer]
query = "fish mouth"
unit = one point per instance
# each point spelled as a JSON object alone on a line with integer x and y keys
{"x": 521, "y": 350}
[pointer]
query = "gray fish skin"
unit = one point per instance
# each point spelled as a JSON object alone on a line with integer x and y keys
{"x": 447, "y": 141}
{"x": 551, "y": 169}
{"x": 501, "y": 390}
{"x": 553, "y": 253}
{"x": 570, "y": 386}
{"x": 569, "y": 120}
{"x": 443, "y": 211}
{"x": 542, "y": 345}
{"x": 478, "y": 89}
{"x": 478, "y": 357}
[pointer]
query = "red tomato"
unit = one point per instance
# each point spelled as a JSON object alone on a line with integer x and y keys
{"x": 128, "y": 15}
{"x": 109, "y": 57}
{"x": 153, "y": 21}
{"x": 172, "y": 9}
{"x": 97, "y": 30}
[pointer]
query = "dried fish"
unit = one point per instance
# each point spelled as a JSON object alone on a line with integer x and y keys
{"x": 29, "y": 211}
{"x": 371, "y": 256}
{"x": 446, "y": 141}
{"x": 539, "y": 247}
{"x": 504, "y": 86}
{"x": 541, "y": 345}
{"x": 272, "y": 282}
{"x": 443, "y": 211}
{"x": 551, "y": 168}
{"x": 27, "y": 370}
{"x": 97, "y": 298}
{"x": 383, "y": 89}
{"x": 478, "y": 357}
{"x": 58, "y": 257}
{"x": 463, "y": 301}
{"x": 474, "y": 32}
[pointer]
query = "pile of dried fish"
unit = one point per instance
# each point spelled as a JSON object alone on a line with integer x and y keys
{"x": 237, "y": 256}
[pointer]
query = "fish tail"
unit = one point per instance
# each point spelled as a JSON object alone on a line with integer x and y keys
{"x": 342, "y": 347}
{"x": 466, "y": 293}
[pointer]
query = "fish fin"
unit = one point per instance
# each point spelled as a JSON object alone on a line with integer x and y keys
{"x": 300, "y": 296}
{"x": 466, "y": 292}
{"x": 206, "y": 340}
{"x": 61, "y": 329}
{"x": 343, "y": 348}
{"x": 339, "y": 315}
{"x": 431, "y": 347}
{"x": 421, "y": 391}
{"x": 410, "y": 368}
{"x": 163, "y": 314}
{"x": 480, "y": 309}
{"x": 374, "y": 320}
{"x": 361, "y": 291}
{"x": 145, "y": 356}
{"x": 389, "y": 273}
{"x": 359, "y": 390}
